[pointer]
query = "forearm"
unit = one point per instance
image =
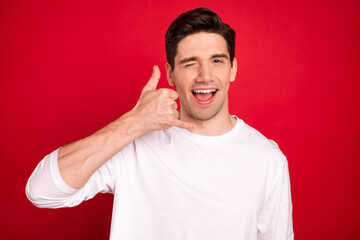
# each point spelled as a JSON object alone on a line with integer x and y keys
{"x": 156, "y": 109}
{"x": 77, "y": 161}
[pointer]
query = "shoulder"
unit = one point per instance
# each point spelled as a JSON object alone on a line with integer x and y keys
{"x": 260, "y": 145}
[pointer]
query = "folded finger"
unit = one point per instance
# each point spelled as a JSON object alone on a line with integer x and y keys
{"x": 173, "y": 94}
{"x": 174, "y": 105}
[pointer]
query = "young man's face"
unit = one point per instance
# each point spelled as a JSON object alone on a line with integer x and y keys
{"x": 202, "y": 76}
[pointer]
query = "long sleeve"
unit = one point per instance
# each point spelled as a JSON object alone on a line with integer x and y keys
{"x": 275, "y": 221}
{"x": 46, "y": 188}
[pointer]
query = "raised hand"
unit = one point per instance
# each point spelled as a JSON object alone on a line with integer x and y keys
{"x": 156, "y": 108}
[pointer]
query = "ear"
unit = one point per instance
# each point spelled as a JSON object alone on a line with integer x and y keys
{"x": 233, "y": 70}
{"x": 169, "y": 74}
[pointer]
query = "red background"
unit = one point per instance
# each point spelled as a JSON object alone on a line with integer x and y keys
{"x": 67, "y": 68}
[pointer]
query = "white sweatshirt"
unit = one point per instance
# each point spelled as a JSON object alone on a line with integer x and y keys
{"x": 175, "y": 185}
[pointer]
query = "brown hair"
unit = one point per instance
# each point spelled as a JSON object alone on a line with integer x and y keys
{"x": 195, "y": 21}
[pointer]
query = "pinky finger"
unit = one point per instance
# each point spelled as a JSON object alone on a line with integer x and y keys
{"x": 182, "y": 124}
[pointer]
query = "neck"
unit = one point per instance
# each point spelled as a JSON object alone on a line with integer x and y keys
{"x": 218, "y": 125}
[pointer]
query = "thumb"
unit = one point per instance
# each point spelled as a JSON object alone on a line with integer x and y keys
{"x": 153, "y": 81}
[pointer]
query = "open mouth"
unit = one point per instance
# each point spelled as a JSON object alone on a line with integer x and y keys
{"x": 204, "y": 96}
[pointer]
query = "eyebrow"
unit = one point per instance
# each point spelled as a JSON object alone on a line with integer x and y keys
{"x": 190, "y": 59}
{"x": 185, "y": 60}
{"x": 220, "y": 56}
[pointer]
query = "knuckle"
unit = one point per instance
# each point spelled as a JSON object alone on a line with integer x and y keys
{"x": 164, "y": 91}
{"x": 175, "y": 106}
{"x": 167, "y": 121}
{"x": 169, "y": 112}
{"x": 169, "y": 102}
{"x": 175, "y": 94}
{"x": 171, "y": 120}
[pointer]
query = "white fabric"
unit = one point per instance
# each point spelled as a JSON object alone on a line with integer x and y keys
{"x": 173, "y": 184}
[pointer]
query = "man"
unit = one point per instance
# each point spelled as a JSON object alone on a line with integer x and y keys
{"x": 197, "y": 173}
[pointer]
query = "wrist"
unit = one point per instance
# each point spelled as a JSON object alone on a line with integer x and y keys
{"x": 130, "y": 125}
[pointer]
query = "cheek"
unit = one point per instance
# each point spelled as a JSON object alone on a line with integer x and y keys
{"x": 183, "y": 81}
{"x": 223, "y": 71}
{"x": 190, "y": 74}
{"x": 182, "y": 89}
{"x": 180, "y": 85}
{"x": 225, "y": 76}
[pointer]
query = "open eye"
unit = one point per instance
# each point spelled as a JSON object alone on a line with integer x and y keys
{"x": 218, "y": 61}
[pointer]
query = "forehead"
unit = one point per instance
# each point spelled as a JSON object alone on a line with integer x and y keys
{"x": 201, "y": 45}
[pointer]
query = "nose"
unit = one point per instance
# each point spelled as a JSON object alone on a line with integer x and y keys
{"x": 205, "y": 73}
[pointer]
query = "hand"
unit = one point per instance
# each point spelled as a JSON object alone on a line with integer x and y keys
{"x": 156, "y": 108}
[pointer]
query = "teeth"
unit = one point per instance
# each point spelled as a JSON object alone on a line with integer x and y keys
{"x": 204, "y": 91}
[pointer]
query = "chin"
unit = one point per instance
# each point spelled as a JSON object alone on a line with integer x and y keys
{"x": 202, "y": 114}
{"x": 204, "y": 117}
